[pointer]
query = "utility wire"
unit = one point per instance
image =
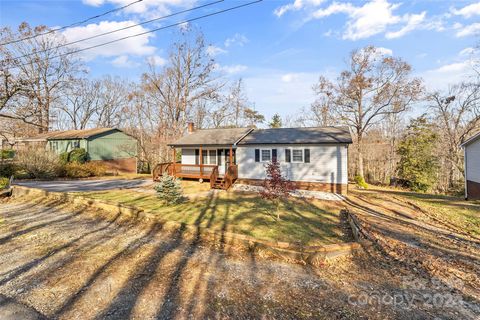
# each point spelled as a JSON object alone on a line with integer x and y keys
{"x": 150, "y": 31}
{"x": 121, "y": 29}
{"x": 71, "y": 25}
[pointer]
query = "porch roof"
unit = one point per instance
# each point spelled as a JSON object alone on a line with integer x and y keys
{"x": 212, "y": 137}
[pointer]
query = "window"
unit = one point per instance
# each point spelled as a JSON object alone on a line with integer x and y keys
{"x": 209, "y": 156}
{"x": 213, "y": 156}
{"x": 76, "y": 144}
{"x": 297, "y": 155}
{"x": 266, "y": 155}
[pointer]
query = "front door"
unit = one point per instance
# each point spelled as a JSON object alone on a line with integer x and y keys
{"x": 221, "y": 161}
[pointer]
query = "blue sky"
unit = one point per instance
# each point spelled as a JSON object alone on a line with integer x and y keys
{"x": 278, "y": 47}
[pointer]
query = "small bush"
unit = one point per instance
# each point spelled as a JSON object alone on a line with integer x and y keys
{"x": 7, "y": 154}
{"x": 64, "y": 157}
{"x": 360, "y": 181}
{"x": 7, "y": 169}
{"x": 3, "y": 183}
{"x": 84, "y": 170}
{"x": 169, "y": 190}
{"x": 38, "y": 163}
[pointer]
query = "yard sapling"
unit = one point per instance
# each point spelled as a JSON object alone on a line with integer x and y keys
{"x": 169, "y": 190}
{"x": 275, "y": 186}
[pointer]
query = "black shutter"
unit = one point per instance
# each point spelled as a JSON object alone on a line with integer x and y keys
{"x": 288, "y": 155}
{"x": 197, "y": 156}
{"x": 274, "y": 155}
{"x": 257, "y": 155}
{"x": 306, "y": 157}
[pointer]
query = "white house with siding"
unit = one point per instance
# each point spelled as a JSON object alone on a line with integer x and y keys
{"x": 313, "y": 158}
{"x": 471, "y": 149}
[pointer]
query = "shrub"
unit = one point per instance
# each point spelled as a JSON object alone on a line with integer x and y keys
{"x": 360, "y": 181}
{"x": 84, "y": 170}
{"x": 169, "y": 190}
{"x": 78, "y": 155}
{"x": 38, "y": 163}
{"x": 64, "y": 157}
{"x": 3, "y": 183}
{"x": 7, "y": 154}
{"x": 7, "y": 169}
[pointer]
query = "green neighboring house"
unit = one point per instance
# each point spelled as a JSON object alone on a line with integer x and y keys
{"x": 111, "y": 146}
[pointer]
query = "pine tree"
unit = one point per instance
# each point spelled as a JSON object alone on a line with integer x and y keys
{"x": 418, "y": 162}
{"x": 169, "y": 190}
{"x": 276, "y": 121}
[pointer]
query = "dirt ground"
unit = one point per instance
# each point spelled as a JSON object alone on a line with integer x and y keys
{"x": 65, "y": 262}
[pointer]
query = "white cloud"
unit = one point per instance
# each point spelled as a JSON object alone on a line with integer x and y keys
{"x": 447, "y": 74}
{"x": 469, "y": 30}
{"x": 413, "y": 22}
{"x": 237, "y": 39}
{"x": 384, "y": 51}
{"x": 136, "y": 45}
{"x": 371, "y": 18}
{"x": 296, "y": 5}
{"x": 230, "y": 69}
{"x": 145, "y": 8}
{"x": 215, "y": 51}
{"x": 290, "y": 77}
{"x": 468, "y": 11}
{"x": 467, "y": 51}
{"x": 124, "y": 62}
{"x": 157, "y": 60}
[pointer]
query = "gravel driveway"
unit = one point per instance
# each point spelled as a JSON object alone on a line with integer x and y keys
{"x": 85, "y": 185}
{"x": 67, "y": 262}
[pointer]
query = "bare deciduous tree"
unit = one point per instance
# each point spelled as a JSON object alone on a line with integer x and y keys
{"x": 457, "y": 114}
{"x": 374, "y": 87}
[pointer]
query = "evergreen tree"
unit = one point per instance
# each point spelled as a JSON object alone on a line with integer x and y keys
{"x": 276, "y": 121}
{"x": 169, "y": 190}
{"x": 418, "y": 162}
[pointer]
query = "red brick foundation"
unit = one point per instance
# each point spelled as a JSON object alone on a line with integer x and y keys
{"x": 302, "y": 185}
{"x": 473, "y": 190}
{"x": 128, "y": 165}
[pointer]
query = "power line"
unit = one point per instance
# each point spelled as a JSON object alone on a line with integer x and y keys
{"x": 121, "y": 29}
{"x": 150, "y": 31}
{"x": 71, "y": 25}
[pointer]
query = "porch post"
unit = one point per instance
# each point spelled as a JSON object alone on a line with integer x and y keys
{"x": 174, "y": 158}
{"x": 231, "y": 155}
{"x": 200, "y": 160}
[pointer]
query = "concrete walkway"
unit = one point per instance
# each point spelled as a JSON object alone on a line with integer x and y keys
{"x": 85, "y": 185}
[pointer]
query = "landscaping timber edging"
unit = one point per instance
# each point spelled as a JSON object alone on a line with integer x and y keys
{"x": 6, "y": 192}
{"x": 313, "y": 255}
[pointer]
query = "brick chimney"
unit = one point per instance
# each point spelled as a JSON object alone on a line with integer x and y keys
{"x": 191, "y": 127}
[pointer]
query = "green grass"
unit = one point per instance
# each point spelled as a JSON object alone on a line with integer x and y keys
{"x": 456, "y": 211}
{"x": 301, "y": 221}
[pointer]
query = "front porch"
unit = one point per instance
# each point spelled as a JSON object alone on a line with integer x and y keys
{"x": 217, "y": 165}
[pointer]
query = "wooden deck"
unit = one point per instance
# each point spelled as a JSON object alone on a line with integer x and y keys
{"x": 197, "y": 171}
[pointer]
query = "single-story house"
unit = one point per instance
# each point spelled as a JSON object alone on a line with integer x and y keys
{"x": 471, "y": 149}
{"x": 312, "y": 158}
{"x": 113, "y": 147}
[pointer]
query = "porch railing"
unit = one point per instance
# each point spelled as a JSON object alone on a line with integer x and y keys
{"x": 230, "y": 176}
{"x": 213, "y": 177}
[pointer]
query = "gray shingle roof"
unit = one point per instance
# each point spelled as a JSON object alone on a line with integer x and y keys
{"x": 314, "y": 135}
{"x": 212, "y": 137}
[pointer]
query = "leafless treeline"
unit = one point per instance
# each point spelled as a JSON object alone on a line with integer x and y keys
{"x": 43, "y": 87}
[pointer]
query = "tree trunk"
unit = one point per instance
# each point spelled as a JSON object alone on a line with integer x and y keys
{"x": 360, "y": 158}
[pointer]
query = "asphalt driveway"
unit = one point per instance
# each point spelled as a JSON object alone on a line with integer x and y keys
{"x": 85, "y": 185}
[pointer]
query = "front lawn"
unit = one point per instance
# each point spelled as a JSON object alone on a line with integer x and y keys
{"x": 307, "y": 222}
{"x": 454, "y": 211}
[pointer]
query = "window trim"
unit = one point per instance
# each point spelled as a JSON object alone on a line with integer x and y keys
{"x": 292, "y": 149}
{"x": 270, "y": 155}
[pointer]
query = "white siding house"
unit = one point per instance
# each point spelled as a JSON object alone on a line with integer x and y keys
{"x": 472, "y": 167}
{"x": 312, "y": 158}
{"x": 327, "y": 163}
